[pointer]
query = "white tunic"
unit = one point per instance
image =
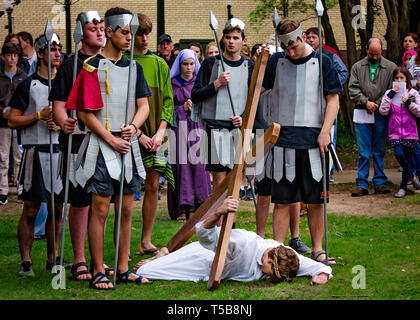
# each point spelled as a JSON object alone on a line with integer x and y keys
{"x": 243, "y": 260}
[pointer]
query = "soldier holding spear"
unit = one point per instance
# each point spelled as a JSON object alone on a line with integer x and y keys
{"x": 93, "y": 37}
{"x": 100, "y": 96}
{"x": 31, "y": 113}
{"x": 306, "y": 113}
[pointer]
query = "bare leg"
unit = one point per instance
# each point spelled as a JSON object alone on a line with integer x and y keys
{"x": 294, "y": 219}
{"x": 150, "y": 203}
{"x": 263, "y": 210}
{"x": 162, "y": 252}
{"x": 281, "y": 217}
{"x": 26, "y": 228}
{"x": 316, "y": 227}
{"x": 97, "y": 219}
{"x": 78, "y": 224}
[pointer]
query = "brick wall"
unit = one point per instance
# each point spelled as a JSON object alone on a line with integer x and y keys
{"x": 184, "y": 19}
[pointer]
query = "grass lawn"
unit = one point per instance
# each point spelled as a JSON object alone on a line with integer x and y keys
{"x": 387, "y": 247}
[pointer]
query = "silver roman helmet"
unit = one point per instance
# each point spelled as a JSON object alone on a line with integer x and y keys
{"x": 291, "y": 36}
{"x": 41, "y": 43}
{"x": 235, "y": 22}
{"x": 89, "y": 17}
{"x": 120, "y": 20}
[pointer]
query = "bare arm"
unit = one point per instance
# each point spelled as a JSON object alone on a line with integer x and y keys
{"x": 17, "y": 120}
{"x": 60, "y": 116}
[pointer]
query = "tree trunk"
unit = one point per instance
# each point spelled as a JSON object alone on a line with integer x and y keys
{"x": 328, "y": 30}
{"x": 346, "y": 105}
{"x": 392, "y": 35}
{"x": 404, "y": 21}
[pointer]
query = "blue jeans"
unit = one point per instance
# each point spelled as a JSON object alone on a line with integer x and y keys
{"x": 371, "y": 140}
{"x": 416, "y": 159}
{"x": 405, "y": 158}
{"x": 41, "y": 219}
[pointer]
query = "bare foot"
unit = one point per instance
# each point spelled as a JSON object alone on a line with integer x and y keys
{"x": 162, "y": 252}
{"x": 81, "y": 272}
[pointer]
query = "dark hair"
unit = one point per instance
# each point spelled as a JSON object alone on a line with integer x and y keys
{"x": 145, "y": 24}
{"x": 255, "y": 48}
{"x": 26, "y": 36}
{"x": 406, "y": 73}
{"x": 412, "y": 35}
{"x": 312, "y": 30}
{"x": 230, "y": 29}
{"x": 116, "y": 11}
{"x": 285, "y": 264}
{"x": 9, "y": 37}
{"x": 10, "y": 48}
{"x": 198, "y": 45}
{"x": 417, "y": 59}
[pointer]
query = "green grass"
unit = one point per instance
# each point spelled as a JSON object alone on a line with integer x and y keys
{"x": 388, "y": 248}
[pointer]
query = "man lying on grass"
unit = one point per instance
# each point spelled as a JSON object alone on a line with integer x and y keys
{"x": 249, "y": 257}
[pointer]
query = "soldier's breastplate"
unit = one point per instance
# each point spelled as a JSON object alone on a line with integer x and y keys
{"x": 218, "y": 106}
{"x": 37, "y": 133}
{"x": 115, "y": 101}
{"x": 294, "y": 98}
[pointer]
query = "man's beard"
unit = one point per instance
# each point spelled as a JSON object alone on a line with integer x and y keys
{"x": 373, "y": 61}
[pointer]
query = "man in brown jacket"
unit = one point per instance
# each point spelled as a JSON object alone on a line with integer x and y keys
{"x": 369, "y": 79}
{"x": 10, "y": 77}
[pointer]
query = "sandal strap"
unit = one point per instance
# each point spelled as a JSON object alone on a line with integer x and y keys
{"x": 99, "y": 275}
{"x": 76, "y": 266}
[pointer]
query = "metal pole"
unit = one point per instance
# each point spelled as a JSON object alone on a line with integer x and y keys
{"x": 48, "y": 35}
{"x": 213, "y": 26}
{"x": 319, "y": 9}
{"x": 77, "y": 36}
{"x": 134, "y": 24}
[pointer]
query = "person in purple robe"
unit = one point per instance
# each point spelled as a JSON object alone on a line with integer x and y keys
{"x": 192, "y": 181}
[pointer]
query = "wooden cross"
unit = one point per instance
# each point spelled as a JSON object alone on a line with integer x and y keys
{"x": 231, "y": 184}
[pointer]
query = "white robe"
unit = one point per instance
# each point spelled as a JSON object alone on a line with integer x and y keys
{"x": 243, "y": 259}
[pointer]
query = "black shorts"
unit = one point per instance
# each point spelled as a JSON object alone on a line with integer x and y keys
{"x": 263, "y": 187}
{"x": 37, "y": 191}
{"x": 102, "y": 184}
{"x": 78, "y": 196}
{"x": 213, "y": 165}
{"x": 303, "y": 188}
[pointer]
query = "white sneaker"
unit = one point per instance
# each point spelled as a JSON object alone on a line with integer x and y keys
{"x": 416, "y": 182}
{"x": 400, "y": 194}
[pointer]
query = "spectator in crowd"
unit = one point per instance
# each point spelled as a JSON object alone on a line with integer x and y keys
{"x": 198, "y": 49}
{"x": 23, "y": 64}
{"x": 10, "y": 76}
{"x": 176, "y": 50}
{"x": 254, "y": 51}
{"x": 245, "y": 52}
{"x": 410, "y": 42}
{"x": 402, "y": 132}
{"x": 165, "y": 47}
{"x": 212, "y": 49}
{"x": 369, "y": 79}
{"x": 28, "y": 52}
{"x": 192, "y": 181}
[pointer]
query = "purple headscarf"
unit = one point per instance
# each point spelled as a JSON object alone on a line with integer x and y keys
{"x": 184, "y": 54}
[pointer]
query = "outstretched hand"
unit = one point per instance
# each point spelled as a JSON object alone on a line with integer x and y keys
{"x": 319, "y": 279}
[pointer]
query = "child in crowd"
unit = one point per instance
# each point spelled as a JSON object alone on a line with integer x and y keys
{"x": 402, "y": 126}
